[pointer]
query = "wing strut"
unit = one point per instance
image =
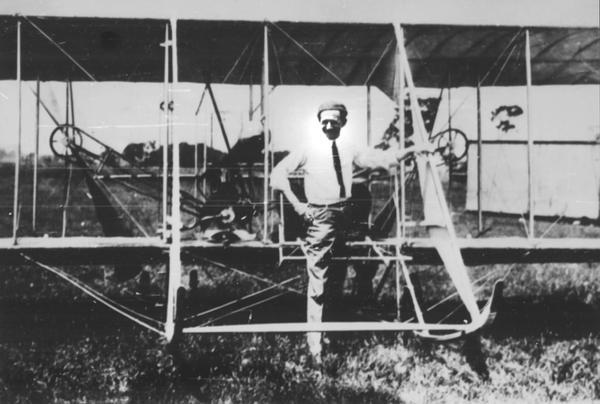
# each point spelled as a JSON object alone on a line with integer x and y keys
{"x": 435, "y": 208}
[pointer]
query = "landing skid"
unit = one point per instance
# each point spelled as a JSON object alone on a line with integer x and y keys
{"x": 485, "y": 318}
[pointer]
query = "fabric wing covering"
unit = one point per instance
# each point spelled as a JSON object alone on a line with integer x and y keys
{"x": 567, "y": 180}
{"x": 125, "y": 49}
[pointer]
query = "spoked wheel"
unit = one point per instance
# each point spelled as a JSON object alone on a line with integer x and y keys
{"x": 63, "y": 139}
{"x": 452, "y": 144}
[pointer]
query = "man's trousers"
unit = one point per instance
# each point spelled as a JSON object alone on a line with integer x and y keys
{"x": 325, "y": 240}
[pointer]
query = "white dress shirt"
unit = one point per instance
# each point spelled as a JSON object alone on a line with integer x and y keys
{"x": 316, "y": 160}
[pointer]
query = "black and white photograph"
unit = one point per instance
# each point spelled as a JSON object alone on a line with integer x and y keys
{"x": 299, "y": 201}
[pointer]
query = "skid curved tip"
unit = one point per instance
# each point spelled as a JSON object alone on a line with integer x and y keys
{"x": 485, "y": 318}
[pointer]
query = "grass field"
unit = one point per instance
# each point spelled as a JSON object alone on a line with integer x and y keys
{"x": 57, "y": 345}
{"x": 543, "y": 347}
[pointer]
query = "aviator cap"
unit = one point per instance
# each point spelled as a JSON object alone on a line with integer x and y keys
{"x": 333, "y": 105}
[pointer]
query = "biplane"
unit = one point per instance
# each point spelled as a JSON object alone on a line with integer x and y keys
{"x": 217, "y": 208}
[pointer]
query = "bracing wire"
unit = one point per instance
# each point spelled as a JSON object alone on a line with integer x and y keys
{"x": 239, "y": 58}
{"x": 231, "y": 313}
{"x": 376, "y": 65}
{"x": 246, "y": 274}
{"x": 508, "y": 48}
{"x": 313, "y": 57}
{"x": 111, "y": 304}
{"x": 240, "y": 300}
{"x": 61, "y": 49}
{"x": 249, "y": 59}
{"x": 276, "y": 60}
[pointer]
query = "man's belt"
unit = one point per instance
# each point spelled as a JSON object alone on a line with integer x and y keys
{"x": 340, "y": 204}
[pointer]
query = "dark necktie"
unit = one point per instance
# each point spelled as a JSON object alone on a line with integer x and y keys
{"x": 338, "y": 169}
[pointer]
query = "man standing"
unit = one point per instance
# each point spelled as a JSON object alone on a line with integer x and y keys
{"x": 328, "y": 162}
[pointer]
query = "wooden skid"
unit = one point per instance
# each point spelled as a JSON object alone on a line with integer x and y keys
{"x": 327, "y": 327}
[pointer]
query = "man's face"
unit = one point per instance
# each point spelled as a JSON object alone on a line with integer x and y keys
{"x": 331, "y": 123}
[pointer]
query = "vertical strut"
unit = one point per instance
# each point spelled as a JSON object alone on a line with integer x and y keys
{"x": 212, "y": 129}
{"x": 281, "y": 226}
{"x": 369, "y": 124}
{"x": 397, "y": 204}
{"x": 369, "y": 129}
{"x": 72, "y": 102}
{"x": 204, "y": 165}
{"x": 36, "y": 156}
{"x": 266, "y": 131}
{"x": 65, "y": 207}
{"x": 397, "y": 245}
{"x": 18, "y": 156}
{"x": 402, "y": 136}
{"x": 165, "y": 135}
{"x": 530, "y": 174}
{"x": 196, "y": 169}
{"x": 68, "y": 167}
{"x": 250, "y": 99}
{"x": 175, "y": 246}
{"x": 479, "y": 160}
{"x": 450, "y": 149}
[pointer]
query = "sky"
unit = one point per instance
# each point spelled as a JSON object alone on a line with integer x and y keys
{"x": 473, "y": 12}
